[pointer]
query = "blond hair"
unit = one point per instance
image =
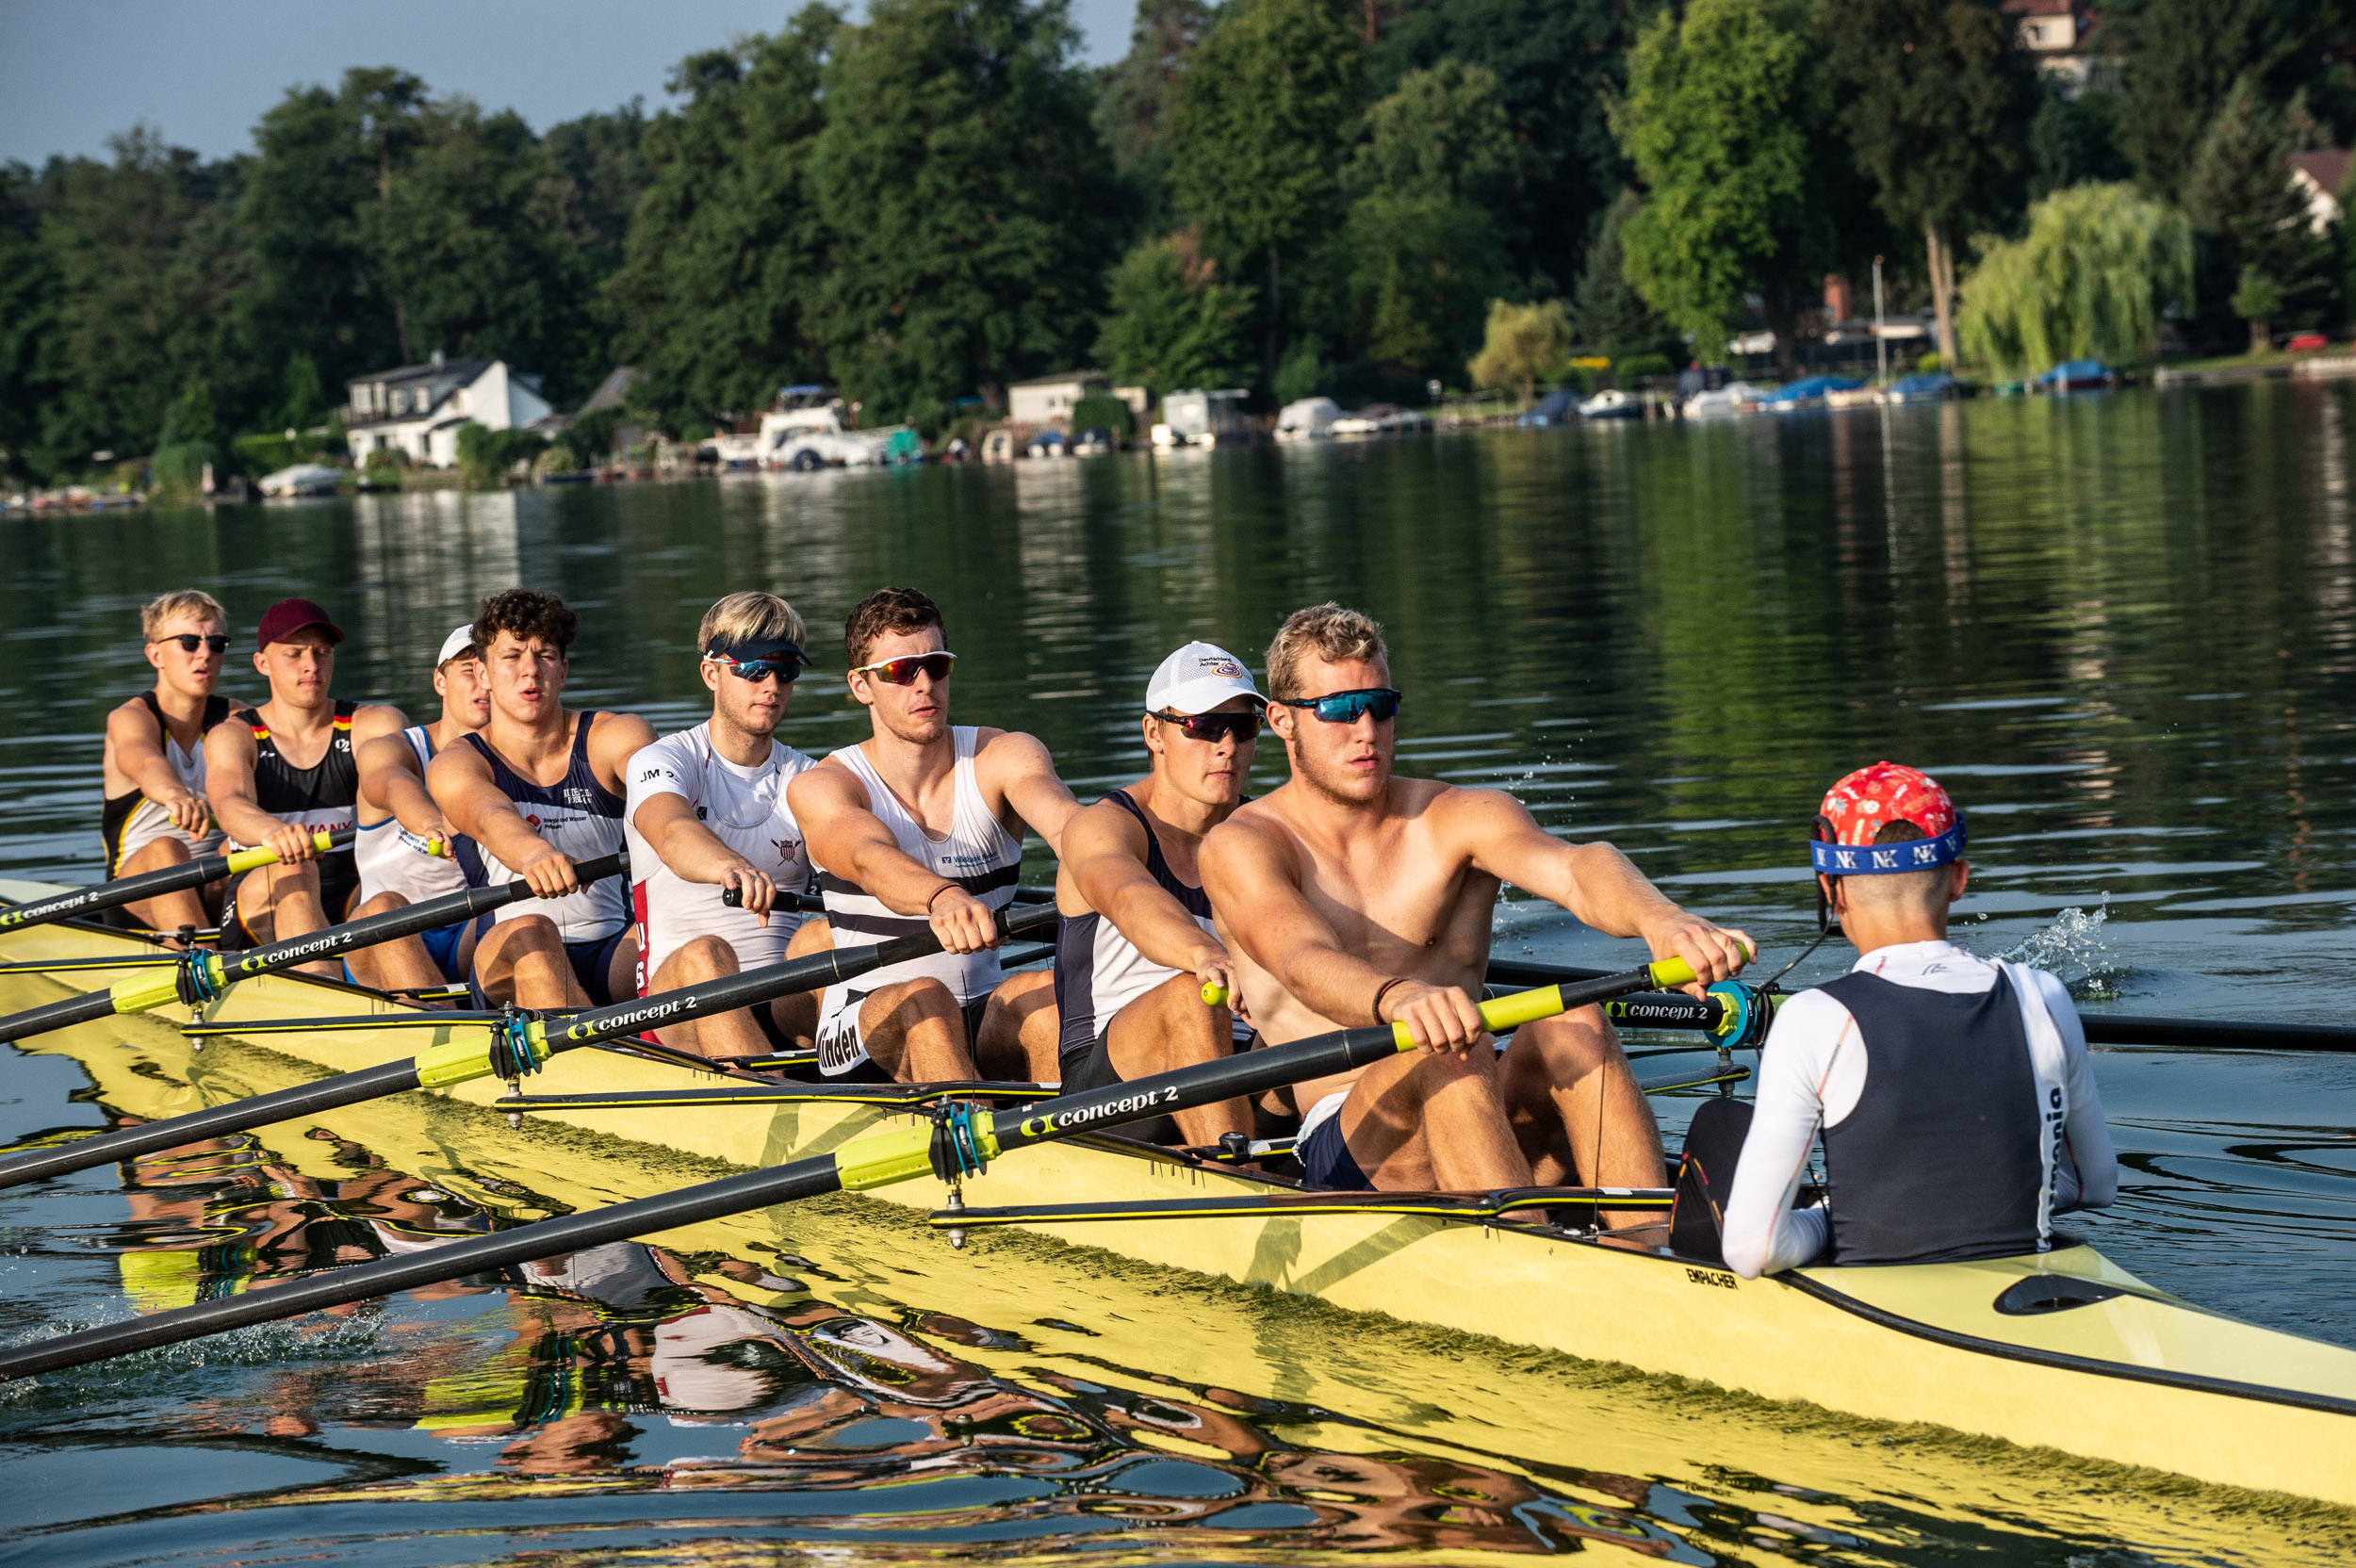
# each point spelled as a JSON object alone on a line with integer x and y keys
{"x": 741, "y": 620}
{"x": 156, "y": 613}
{"x": 1327, "y": 631}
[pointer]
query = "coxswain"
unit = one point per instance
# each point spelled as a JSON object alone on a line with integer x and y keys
{"x": 707, "y": 814}
{"x": 404, "y": 848}
{"x": 155, "y": 813}
{"x": 1137, "y": 950}
{"x": 285, "y": 770}
{"x": 1351, "y": 896}
{"x": 534, "y": 792}
{"x": 919, "y": 826}
{"x": 1954, "y": 1094}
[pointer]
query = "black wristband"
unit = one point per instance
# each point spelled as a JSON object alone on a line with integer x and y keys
{"x": 1383, "y": 990}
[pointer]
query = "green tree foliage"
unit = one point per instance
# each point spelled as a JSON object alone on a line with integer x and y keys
{"x": 2181, "y": 58}
{"x": 713, "y": 298}
{"x": 1137, "y": 95}
{"x": 1428, "y": 249}
{"x": 1266, "y": 112}
{"x": 1524, "y": 343}
{"x": 2099, "y": 265}
{"x": 1611, "y": 317}
{"x": 601, "y": 164}
{"x": 1559, "y": 64}
{"x": 2252, "y": 216}
{"x": 1728, "y": 121}
{"x": 972, "y": 209}
{"x": 2074, "y": 140}
{"x": 1935, "y": 102}
{"x": 29, "y": 291}
{"x": 1172, "y": 323}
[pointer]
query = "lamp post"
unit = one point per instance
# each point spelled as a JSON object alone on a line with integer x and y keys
{"x": 1881, "y": 344}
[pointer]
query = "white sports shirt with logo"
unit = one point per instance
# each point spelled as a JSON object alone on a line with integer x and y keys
{"x": 745, "y": 809}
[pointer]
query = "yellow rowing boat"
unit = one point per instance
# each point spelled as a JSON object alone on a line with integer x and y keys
{"x": 2064, "y": 1351}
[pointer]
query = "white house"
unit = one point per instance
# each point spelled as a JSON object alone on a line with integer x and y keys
{"x": 2318, "y": 175}
{"x": 418, "y": 408}
{"x": 1049, "y": 399}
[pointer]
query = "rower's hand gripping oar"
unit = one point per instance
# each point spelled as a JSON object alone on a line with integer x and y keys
{"x": 202, "y": 977}
{"x": 515, "y": 1046}
{"x": 154, "y": 884}
{"x": 953, "y": 1145}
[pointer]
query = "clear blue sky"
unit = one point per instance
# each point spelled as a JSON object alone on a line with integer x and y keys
{"x": 74, "y": 71}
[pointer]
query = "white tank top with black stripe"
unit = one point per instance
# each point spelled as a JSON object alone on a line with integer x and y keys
{"x": 978, "y": 854}
{"x": 392, "y": 859}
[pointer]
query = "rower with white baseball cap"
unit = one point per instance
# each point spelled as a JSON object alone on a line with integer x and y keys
{"x": 1137, "y": 949}
{"x": 404, "y": 845}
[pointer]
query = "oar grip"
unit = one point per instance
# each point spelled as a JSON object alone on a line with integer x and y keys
{"x": 1214, "y": 994}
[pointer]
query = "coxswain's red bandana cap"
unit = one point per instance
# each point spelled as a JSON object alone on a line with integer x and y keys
{"x": 1859, "y": 806}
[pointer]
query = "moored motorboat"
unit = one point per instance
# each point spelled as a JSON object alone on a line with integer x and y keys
{"x": 2063, "y": 1350}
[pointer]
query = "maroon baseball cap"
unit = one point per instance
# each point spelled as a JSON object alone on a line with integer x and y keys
{"x": 288, "y": 617}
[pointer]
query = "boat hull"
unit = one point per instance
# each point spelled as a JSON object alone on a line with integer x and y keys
{"x": 2137, "y": 1378}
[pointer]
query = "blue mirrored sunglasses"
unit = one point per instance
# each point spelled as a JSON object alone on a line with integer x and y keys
{"x": 783, "y": 663}
{"x": 1349, "y": 707}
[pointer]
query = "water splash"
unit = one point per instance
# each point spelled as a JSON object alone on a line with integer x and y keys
{"x": 2074, "y": 947}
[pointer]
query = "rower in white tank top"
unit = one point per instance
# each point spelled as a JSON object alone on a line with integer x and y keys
{"x": 978, "y": 854}
{"x": 392, "y": 859}
{"x": 744, "y": 808}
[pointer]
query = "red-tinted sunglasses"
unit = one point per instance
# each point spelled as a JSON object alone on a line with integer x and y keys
{"x": 1213, "y": 728}
{"x": 903, "y": 670}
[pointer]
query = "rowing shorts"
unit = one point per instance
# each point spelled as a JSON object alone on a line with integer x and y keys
{"x": 441, "y": 945}
{"x": 1095, "y": 1071}
{"x": 842, "y": 1038}
{"x": 591, "y": 961}
{"x": 1324, "y": 1155}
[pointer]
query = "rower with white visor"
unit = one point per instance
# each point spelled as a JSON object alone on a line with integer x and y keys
{"x": 1135, "y": 951}
{"x": 1954, "y": 1094}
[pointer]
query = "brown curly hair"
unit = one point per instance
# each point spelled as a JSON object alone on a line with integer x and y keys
{"x": 527, "y": 613}
{"x": 884, "y": 612}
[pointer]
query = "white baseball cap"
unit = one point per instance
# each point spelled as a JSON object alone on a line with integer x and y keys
{"x": 1197, "y": 678}
{"x": 456, "y": 644}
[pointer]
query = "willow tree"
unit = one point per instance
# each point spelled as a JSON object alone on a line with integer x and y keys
{"x": 2090, "y": 278}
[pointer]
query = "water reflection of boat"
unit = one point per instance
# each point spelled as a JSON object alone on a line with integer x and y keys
{"x": 2065, "y": 1350}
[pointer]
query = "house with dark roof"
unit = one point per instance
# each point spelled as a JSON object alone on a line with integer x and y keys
{"x": 2320, "y": 176}
{"x": 2059, "y": 34}
{"x": 417, "y": 409}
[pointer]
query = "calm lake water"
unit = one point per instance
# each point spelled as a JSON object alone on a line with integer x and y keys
{"x": 2121, "y": 629}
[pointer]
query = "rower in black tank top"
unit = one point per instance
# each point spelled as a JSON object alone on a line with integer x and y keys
{"x": 124, "y": 827}
{"x": 323, "y": 795}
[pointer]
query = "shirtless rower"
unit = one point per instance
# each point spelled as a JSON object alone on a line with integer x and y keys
{"x": 285, "y": 771}
{"x": 707, "y": 812}
{"x": 154, "y": 812}
{"x": 534, "y": 792}
{"x": 1955, "y": 1095}
{"x": 1136, "y": 947}
{"x": 1351, "y": 896}
{"x": 404, "y": 849}
{"x": 917, "y": 825}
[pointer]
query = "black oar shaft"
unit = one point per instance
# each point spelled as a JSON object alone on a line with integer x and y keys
{"x": 2215, "y": 1033}
{"x": 86, "y": 1009}
{"x": 154, "y": 884}
{"x": 238, "y": 1115}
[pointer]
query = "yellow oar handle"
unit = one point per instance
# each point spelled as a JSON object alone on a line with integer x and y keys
{"x": 1501, "y": 1013}
{"x": 1214, "y": 994}
{"x": 248, "y": 860}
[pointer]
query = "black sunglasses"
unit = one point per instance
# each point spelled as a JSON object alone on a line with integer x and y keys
{"x": 1213, "y": 728}
{"x": 1348, "y": 707}
{"x": 189, "y": 640}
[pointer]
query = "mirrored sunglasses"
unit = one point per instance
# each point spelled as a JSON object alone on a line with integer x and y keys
{"x": 1213, "y": 728}
{"x": 904, "y": 670}
{"x": 1349, "y": 707}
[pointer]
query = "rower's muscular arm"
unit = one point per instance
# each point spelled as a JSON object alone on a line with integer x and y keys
{"x": 1024, "y": 773}
{"x": 692, "y": 853}
{"x": 135, "y": 740}
{"x": 1594, "y": 882}
{"x": 1252, "y": 870}
{"x": 848, "y": 840}
{"x": 391, "y": 781}
{"x": 461, "y": 783}
{"x": 230, "y": 755}
{"x": 1105, "y": 850}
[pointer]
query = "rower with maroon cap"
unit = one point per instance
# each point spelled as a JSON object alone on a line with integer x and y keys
{"x": 1954, "y": 1094}
{"x": 277, "y": 774}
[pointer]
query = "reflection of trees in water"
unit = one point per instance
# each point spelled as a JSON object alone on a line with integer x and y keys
{"x": 601, "y": 1344}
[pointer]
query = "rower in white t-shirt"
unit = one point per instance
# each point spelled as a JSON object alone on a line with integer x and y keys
{"x": 707, "y": 812}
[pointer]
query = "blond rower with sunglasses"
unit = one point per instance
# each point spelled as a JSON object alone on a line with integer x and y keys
{"x": 921, "y": 826}
{"x": 707, "y": 815}
{"x": 1350, "y": 897}
{"x": 1136, "y": 947}
{"x": 155, "y": 813}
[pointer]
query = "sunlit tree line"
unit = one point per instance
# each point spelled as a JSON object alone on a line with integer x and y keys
{"x": 1298, "y": 196}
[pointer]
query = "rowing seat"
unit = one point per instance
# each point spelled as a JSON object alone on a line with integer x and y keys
{"x": 1713, "y": 1146}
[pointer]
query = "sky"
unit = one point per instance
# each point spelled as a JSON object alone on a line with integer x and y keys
{"x": 75, "y": 72}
